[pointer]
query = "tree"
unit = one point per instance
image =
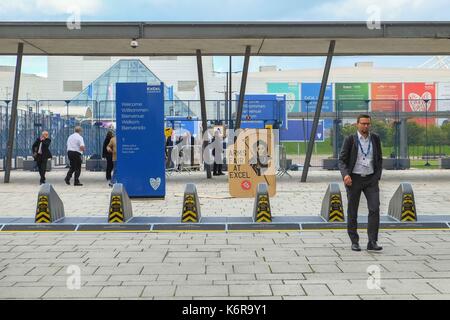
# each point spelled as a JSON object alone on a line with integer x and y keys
{"x": 386, "y": 130}
{"x": 435, "y": 137}
{"x": 446, "y": 133}
{"x": 348, "y": 129}
{"x": 416, "y": 134}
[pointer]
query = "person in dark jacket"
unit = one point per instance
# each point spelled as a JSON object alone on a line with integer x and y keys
{"x": 360, "y": 163}
{"x": 108, "y": 155}
{"x": 217, "y": 152}
{"x": 41, "y": 153}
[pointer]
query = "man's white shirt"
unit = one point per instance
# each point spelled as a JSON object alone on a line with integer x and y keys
{"x": 74, "y": 142}
{"x": 364, "y": 164}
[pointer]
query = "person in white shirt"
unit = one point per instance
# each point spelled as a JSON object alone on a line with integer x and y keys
{"x": 75, "y": 148}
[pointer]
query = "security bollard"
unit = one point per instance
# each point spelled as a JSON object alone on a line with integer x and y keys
{"x": 332, "y": 210}
{"x": 402, "y": 205}
{"x": 261, "y": 209}
{"x": 120, "y": 208}
{"x": 50, "y": 207}
{"x": 191, "y": 205}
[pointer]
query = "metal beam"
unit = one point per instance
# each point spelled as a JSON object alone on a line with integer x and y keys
{"x": 225, "y": 30}
{"x": 201, "y": 87}
{"x": 13, "y": 122}
{"x": 243, "y": 85}
{"x": 226, "y": 38}
{"x": 323, "y": 86}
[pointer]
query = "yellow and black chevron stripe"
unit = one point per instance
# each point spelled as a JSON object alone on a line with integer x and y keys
{"x": 408, "y": 208}
{"x": 43, "y": 211}
{"x": 263, "y": 213}
{"x": 336, "y": 213}
{"x": 189, "y": 209}
{"x": 116, "y": 210}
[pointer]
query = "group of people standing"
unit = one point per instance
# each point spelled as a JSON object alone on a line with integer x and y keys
{"x": 75, "y": 148}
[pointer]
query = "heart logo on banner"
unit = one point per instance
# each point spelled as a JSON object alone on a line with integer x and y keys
{"x": 417, "y": 102}
{"x": 155, "y": 183}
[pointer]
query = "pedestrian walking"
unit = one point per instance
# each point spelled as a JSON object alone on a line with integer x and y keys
{"x": 75, "y": 149}
{"x": 41, "y": 153}
{"x": 360, "y": 163}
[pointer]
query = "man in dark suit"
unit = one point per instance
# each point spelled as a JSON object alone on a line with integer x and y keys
{"x": 360, "y": 163}
{"x": 41, "y": 153}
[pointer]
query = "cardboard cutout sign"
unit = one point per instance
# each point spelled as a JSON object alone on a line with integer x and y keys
{"x": 251, "y": 162}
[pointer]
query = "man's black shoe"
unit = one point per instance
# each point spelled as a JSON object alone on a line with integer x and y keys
{"x": 356, "y": 247}
{"x": 372, "y": 245}
{"x": 67, "y": 181}
{"x": 77, "y": 184}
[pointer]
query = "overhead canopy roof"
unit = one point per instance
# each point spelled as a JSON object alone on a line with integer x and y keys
{"x": 226, "y": 38}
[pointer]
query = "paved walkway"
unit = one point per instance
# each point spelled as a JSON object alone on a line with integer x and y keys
{"x": 307, "y": 265}
{"x": 296, "y": 265}
{"x": 18, "y": 198}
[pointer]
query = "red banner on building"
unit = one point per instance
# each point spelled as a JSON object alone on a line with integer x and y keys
{"x": 420, "y": 97}
{"x": 386, "y": 96}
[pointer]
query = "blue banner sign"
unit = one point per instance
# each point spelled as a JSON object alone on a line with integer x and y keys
{"x": 310, "y": 96}
{"x": 181, "y": 124}
{"x": 298, "y": 129}
{"x": 140, "y": 139}
{"x": 263, "y": 109}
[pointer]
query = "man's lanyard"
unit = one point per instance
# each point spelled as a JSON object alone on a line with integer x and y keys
{"x": 366, "y": 154}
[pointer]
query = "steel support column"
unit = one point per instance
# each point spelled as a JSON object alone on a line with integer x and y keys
{"x": 201, "y": 87}
{"x": 230, "y": 95}
{"x": 323, "y": 86}
{"x": 404, "y": 138}
{"x": 243, "y": 84}
{"x": 13, "y": 122}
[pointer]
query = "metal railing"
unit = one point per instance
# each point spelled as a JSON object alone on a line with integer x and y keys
{"x": 414, "y": 129}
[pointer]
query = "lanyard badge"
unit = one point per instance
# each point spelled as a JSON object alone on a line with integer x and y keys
{"x": 365, "y": 154}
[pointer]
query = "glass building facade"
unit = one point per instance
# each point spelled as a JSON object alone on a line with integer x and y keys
{"x": 103, "y": 89}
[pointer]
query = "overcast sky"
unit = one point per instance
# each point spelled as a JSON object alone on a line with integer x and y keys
{"x": 230, "y": 10}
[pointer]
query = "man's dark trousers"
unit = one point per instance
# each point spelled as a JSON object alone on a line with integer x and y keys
{"x": 75, "y": 165}
{"x": 109, "y": 166}
{"x": 42, "y": 167}
{"x": 369, "y": 186}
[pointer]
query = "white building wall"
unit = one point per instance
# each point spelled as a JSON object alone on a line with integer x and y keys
{"x": 169, "y": 71}
{"x": 185, "y": 69}
{"x": 30, "y": 86}
{"x": 257, "y": 81}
